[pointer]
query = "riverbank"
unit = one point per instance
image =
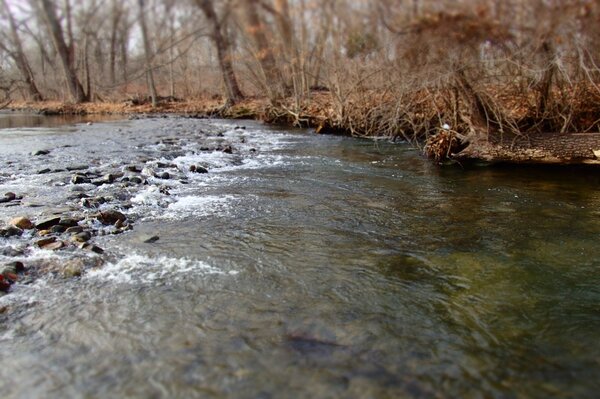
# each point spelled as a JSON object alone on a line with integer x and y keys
{"x": 444, "y": 125}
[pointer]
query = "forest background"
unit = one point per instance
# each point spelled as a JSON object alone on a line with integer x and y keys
{"x": 500, "y": 80}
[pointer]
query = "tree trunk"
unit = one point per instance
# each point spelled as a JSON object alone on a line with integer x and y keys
{"x": 147, "y": 53}
{"x": 56, "y": 32}
{"x": 290, "y": 47}
{"x": 232, "y": 88}
{"x": 20, "y": 59}
{"x": 264, "y": 51}
{"x": 114, "y": 31}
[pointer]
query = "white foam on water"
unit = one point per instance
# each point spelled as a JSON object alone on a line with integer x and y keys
{"x": 199, "y": 206}
{"x": 136, "y": 269}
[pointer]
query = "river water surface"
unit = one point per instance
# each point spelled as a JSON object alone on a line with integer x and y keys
{"x": 303, "y": 266}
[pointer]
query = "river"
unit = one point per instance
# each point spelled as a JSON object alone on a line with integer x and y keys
{"x": 300, "y": 266}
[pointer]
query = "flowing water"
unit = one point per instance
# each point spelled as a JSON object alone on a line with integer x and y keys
{"x": 304, "y": 266}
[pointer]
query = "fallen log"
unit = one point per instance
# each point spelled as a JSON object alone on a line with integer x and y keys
{"x": 542, "y": 148}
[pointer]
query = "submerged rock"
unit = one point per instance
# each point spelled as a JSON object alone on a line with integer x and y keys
{"x": 73, "y": 268}
{"x": 149, "y": 239}
{"x": 228, "y": 149}
{"x": 198, "y": 169}
{"x": 91, "y": 247}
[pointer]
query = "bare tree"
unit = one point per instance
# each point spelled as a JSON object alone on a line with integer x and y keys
{"x": 264, "y": 53}
{"x": 19, "y": 57}
{"x": 63, "y": 51}
{"x": 148, "y": 55}
{"x": 221, "y": 42}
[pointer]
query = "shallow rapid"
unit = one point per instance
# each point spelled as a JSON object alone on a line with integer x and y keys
{"x": 299, "y": 266}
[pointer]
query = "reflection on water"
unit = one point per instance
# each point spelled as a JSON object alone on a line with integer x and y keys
{"x": 325, "y": 267}
{"x": 15, "y": 120}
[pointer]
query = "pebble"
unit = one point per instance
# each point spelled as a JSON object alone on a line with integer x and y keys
{"x": 74, "y": 230}
{"x": 53, "y": 246}
{"x": 69, "y": 221}
{"x": 91, "y": 247}
{"x": 72, "y": 269}
{"x": 45, "y": 241}
{"x": 77, "y": 167}
{"x": 10, "y": 231}
{"x": 22, "y": 223}
{"x": 110, "y": 217}
{"x": 58, "y": 229}
{"x": 81, "y": 237}
{"x": 198, "y": 169}
{"x": 10, "y": 270}
{"x": 80, "y": 179}
{"x": 132, "y": 168}
{"x": 228, "y": 150}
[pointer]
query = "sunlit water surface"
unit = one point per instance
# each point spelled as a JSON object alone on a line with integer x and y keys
{"x": 312, "y": 267}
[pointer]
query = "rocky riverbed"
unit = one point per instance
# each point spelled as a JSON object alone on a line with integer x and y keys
{"x": 59, "y": 197}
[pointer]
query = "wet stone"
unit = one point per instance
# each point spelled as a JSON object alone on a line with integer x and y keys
{"x": 69, "y": 222}
{"x": 91, "y": 247}
{"x": 80, "y": 179}
{"x": 164, "y": 175}
{"x": 53, "y": 246}
{"x": 11, "y": 268}
{"x": 150, "y": 239}
{"x": 198, "y": 169}
{"x": 46, "y": 224}
{"x": 40, "y": 152}
{"x": 45, "y": 241}
{"x": 72, "y": 269}
{"x": 74, "y": 230}
{"x": 22, "y": 223}
{"x": 133, "y": 168}
{"x": 11, "y": 252}
{"x": 58, "y": 229}
{"x": 227, "y": 149}
{"x": 136, "y": 180}
{"x": 110, "y": 217}
{"x": 81, "y": 237}
{"x": 77, "y": 167}
{"x": 11, "y": 231}
{"x": 10, "y": 196}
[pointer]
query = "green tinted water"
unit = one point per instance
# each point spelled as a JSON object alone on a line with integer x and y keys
{"x": 331, "y": 268}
